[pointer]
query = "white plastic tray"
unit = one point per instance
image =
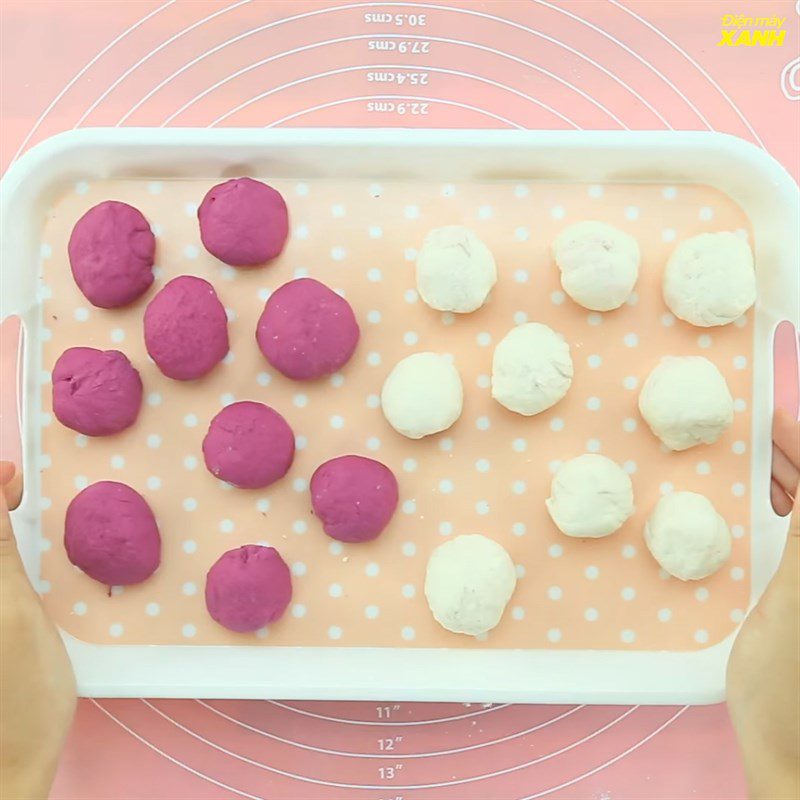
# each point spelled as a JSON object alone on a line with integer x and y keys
{"x": 748, "y": 175}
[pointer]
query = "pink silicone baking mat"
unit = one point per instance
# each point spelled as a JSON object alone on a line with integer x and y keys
{"x": 489, "y": 473}
{"x": 650, "y": 65}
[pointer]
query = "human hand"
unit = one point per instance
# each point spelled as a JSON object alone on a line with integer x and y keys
{"x": 764, "y": 667}
{"x": 37, "y": 687}
{"x": 785, "y": 461}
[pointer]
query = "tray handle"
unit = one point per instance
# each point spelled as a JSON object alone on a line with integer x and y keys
{"x": 12, "y": 337}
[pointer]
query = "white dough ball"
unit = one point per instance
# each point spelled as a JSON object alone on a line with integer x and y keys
{"x": 599, "y": 264}
{"x": 455, "y": 270}
{"x": 590, "y": 496}
{"x": 468, "y": 583}
{"x": 710, "y": 279}
{"x": 687, "y": 536}
{"x": 686, "y": 401}
{"x": 531, "y": 369}
{"x": 422, "y": 395}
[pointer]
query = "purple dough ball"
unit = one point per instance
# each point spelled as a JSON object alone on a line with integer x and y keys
{"x": 354, "y": 497}
{"x": 96, "y": 392}
{"x": 111, "y": 534}
{"x": 186, "y": 328}
{"x": 111, "y": 253}
{"x": 249, "y": 445}
{"x": 243, "y": 222}
{"x": 248, "y": 588}
{"x": 306, "y": 330}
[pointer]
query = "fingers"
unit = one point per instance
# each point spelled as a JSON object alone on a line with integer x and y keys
{"x": 11, "y": 481}
{"x": 6, "y": 476}
{"x": 9, "y": 557}
{"x": 786, "y": 583}
{"x": 781, "y": 501}
{"x": 785, "y": 461}
{"x": 784, "y": 473}
{"x": 794, "y": 524}
{"x": 786, "y": 436}
{"x": 7, "y": 470}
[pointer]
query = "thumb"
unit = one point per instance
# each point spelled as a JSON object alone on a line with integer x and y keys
{"x": 789, "y": 569}
{"x": 7, "y": 472}
{"x": 10, "y": 561}
{"x": 14, "y": 583}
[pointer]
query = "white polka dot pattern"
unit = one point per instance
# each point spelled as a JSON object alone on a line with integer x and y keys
{"x": 489, "y": 473}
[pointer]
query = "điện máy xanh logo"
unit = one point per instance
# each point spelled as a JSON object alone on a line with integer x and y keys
{"x": 739, "y": 30}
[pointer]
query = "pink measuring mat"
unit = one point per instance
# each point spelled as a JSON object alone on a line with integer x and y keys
{"x": 597, "y": 65}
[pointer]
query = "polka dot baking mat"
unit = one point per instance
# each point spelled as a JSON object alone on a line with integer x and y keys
{"x": 489, "y": 473}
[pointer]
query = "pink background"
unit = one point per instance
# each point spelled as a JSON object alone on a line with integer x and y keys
{"x": 526, "y": 63}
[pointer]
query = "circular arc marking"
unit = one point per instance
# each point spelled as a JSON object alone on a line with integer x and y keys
{"x": 437, "y": 785}
{"x": 429, "y": 6}
{"x": 692, "y": 61}
{"x": 443, "y": 40}
{"x": 170, "y": 758}
{"x": 611, "y": 761}
{"x": 155, "y": 50}
{"x": 344, "y": 100}
{"x": 83, "y": 71}
{"x": 431, "y": 754}
{"x": 547, "y": 38}
{"x": 631, "y": 52}
{"x": 254, "y": 797}
{"x": 233, "y": 40}
{"x": 790, "y": 83}
{"x": 384, "y": 724}
{"x": 308, "y": 78}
